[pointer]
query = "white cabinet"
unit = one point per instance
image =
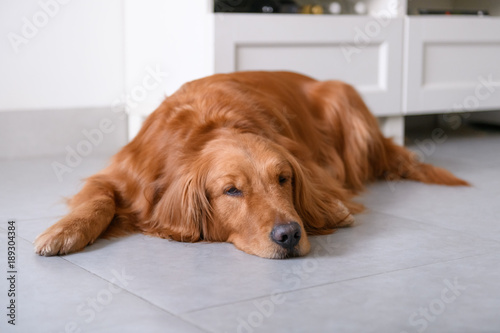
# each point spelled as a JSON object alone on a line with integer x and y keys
{"x": 452, "y": 64}
{"x": 401, "y": 64}
{"x": 360, "y": 50}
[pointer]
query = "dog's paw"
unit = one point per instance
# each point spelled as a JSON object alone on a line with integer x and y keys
{"x": 58, "y": 240}
{"x": 347, "y": 222}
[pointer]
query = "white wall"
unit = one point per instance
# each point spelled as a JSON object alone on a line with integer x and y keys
{"x": 181, "y": 54}
{"x": 70, "y": 54}
{"x": 94, "y": 55}
{"x": 173, "y": 39}
{"x": 67, "y": 54}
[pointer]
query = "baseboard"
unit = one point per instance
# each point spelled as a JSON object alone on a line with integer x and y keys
{"x": 42, "y": 133}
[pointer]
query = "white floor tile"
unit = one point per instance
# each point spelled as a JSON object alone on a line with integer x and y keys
{"x": 31, "y": 189}
{"x": 54, "y": 295}
{"x": 474, "y": 209}
{"x": 455, "y": 296}
{"x": 180, "y": 277}
{"x": 369, "y": 278}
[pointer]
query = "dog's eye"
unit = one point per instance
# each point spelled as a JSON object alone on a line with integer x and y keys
{"x": 233, "y": 191}
{"x": 283, "y": 180}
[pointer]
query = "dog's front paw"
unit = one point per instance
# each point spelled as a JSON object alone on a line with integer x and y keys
{"x": 59, "y": 240}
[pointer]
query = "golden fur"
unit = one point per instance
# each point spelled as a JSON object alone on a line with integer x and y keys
{"x": 229, "y": 157}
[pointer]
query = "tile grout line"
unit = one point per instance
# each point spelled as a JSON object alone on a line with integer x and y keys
{"x": 180, "y": 315}
{"x": 434, "y": 225}
{"x": 124, "y": 289}
{"x": 335, "y": 282}
{"x": 135, "y": 295}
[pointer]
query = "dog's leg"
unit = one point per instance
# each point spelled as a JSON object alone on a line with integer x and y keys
{"x": 92, "y": 210}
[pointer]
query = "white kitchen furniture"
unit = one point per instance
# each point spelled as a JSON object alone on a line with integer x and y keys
{"x": 402, "y": 64}
{"x": 452, "y": 64}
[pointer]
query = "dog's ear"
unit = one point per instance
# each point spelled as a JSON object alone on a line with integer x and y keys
{"x": 183, "y": 212}
{"x": 319, "y": 199}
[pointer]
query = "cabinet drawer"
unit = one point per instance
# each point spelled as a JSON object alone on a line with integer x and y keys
{"x": 452, "y": 64}
{"x": 363, "y": 51}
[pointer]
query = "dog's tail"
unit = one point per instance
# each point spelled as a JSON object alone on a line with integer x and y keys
{"x": 365, "y": 153}
{"x": 401, "y": 163}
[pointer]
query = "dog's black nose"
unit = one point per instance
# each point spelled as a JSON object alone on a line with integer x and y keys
{"x": 286, "y": 235}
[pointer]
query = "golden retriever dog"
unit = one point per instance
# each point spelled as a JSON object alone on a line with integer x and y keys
{"x": 257, "y": 159}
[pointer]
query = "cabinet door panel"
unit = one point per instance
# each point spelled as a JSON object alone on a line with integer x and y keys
{"x": 452, "y": 63}
{"x": 363, "y": 51}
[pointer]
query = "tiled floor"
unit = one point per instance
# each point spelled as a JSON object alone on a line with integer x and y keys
{"x": 421, "y": 258}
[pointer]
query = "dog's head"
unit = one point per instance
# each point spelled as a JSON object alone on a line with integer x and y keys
{"x": 247, "y": 190}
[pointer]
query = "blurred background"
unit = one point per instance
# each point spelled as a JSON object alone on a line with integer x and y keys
{"x": 66, "y": 66}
